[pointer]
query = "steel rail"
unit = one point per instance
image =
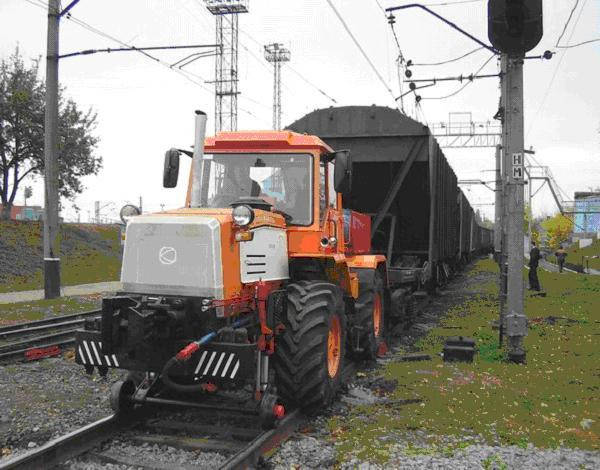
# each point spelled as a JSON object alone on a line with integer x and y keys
{"x": 86, "y": 438}
{"x": 70, "y": 445}
{"x": 50, "y": 339}
{"x": 37, "y": 329}
{"x": 248, "y": 457}
{"x": 48, "y": 321}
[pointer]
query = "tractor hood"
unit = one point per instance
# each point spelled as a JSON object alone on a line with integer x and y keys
{"x": 172, "y": 254}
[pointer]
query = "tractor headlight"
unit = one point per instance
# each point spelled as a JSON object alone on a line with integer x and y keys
{"x": 243, "y": 215}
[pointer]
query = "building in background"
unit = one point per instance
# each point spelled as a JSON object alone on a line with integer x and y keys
{"x": 26, "y": 212}
{"x": 587, "y": 214}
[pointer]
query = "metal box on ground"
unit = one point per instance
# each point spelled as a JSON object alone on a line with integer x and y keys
{"x": 459, "y": 349}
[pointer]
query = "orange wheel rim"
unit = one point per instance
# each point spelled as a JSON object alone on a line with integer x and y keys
{"x": 334, "y": 343}
{"x": 377, "y": 315}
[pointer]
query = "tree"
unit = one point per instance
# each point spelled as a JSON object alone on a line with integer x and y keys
{"x": 559, "y": 228}
{"x": 27, "y": 193}
{"x": 535, "y": 233}
{"x": 22, "y": 108}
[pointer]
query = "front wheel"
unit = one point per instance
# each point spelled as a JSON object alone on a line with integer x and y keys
{"x": 309, "y": 355}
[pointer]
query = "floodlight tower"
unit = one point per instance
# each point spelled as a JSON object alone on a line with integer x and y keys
{"x": 226, "y": 64}
{"x": 276, "y": 54}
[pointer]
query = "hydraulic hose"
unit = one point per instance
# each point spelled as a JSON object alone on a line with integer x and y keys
{"x": 186, "y": 353}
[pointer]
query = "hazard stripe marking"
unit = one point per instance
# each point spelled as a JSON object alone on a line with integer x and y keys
{"x": 96, "y": 353}
{"x": 107, "y": 359}
{"x": 227, "y": 365}
{"x": 87, "y": 349}
{"x": 237, "y": 365}
{"x": 114, "y": 358}
{"x": 200, "y": 363}
{"x": 81, "y": 358}
{"x": 216, "y": 369}
{"x": 212, "y": 357}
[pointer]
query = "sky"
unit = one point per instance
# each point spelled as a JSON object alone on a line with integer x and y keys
{"x": 145, "y": 107}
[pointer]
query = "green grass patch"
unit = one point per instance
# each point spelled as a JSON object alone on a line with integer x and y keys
{"x": 40, "y": 309}
{"x": 89, "y": 253}
{"x": 553, "y": 400}
{"x": 576, "y": 255}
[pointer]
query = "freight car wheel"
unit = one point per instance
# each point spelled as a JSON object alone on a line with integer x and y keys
{"x": 309, "y": 355}
{"x": 370, "y": 314}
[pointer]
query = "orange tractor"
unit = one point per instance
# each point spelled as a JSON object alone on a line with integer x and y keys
{"x": 263, "y": 280}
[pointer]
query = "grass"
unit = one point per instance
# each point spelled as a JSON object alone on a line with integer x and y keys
{"x": 40, "y": 309}
{"x": 87, "y": 266}
{"x": 575, "y": 254}
{"x": 93, "y": 255}
{"x": 551, "y": 401}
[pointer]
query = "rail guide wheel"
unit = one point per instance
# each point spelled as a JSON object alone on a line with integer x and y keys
{"x": 121, "y": 394}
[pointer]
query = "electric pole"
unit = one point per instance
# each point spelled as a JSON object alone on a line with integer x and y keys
{"x": 51, "y": 239}
{"x": 515, "y": 321}
{"x": 277, "y": 54}
{"x": 514, "y": 28}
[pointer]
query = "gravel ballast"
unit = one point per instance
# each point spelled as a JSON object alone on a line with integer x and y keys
{"x": 46, "y": 399}
{"x": 308, "y": 452}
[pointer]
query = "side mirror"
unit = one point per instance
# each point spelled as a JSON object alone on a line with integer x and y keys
{"x": 342, "y": 174}
{"x": 171, "y": 171}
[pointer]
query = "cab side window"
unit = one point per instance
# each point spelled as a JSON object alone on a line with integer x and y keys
{"x": 322, "y": 191}
{"x": 332, "y": 196}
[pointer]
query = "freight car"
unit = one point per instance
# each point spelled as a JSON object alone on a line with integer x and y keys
{"x": 421, "y": 220}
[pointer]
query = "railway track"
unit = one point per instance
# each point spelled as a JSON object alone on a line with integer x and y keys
{"x": 41, "y": 338}
{"x": 228, "y": 437}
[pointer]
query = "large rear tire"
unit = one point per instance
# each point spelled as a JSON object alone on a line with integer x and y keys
{"x": 309, "y": 354}
{"x": 370, "y": 315}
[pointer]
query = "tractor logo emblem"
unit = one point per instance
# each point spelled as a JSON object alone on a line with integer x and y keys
{"x": 167, "y": 255}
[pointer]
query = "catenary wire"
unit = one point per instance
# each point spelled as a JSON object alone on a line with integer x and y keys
{"x": 449, "y": 4}
{"x": 362, "y": 51}
{"x": 462, "y": 87}
{"x": 567, "y": 23}
{"x": 288, "y": 66}
{"x": 571, "y": 46}
{"x": 448, "y": 61}
{"x": 400, "y": 61}
{"x": 560, "y": 61}
{"x": 191, "y": 77}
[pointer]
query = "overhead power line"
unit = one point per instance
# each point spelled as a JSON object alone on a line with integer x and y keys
{"x": 415, "y": 64}
{"x": 362, "y": 51}
{"x": 571, "y": 46}
{"x": 464, "y": 86}
{"x": 191, "y": 77}
{"x": 554, "y": 75}
{"x": 289, "y": 67}
{"x": 449, "y": 4}
{"x": 567, "y": 23}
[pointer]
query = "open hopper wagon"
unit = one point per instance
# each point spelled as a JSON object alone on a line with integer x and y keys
{"x": 420, "y": 219}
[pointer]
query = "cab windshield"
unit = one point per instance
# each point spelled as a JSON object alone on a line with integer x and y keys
{"x": 282, "y": 180}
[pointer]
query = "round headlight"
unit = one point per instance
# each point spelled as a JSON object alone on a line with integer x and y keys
{"x": 127, "y": 212}
{"x": 242, "y": 215}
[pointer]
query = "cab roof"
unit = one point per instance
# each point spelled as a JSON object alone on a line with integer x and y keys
{"x": 263, "y": 140}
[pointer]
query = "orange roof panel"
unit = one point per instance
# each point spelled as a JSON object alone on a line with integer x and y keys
{"x": 266, "y": 140}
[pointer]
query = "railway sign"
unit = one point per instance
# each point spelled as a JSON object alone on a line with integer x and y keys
{"x": 517, "y": 166}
